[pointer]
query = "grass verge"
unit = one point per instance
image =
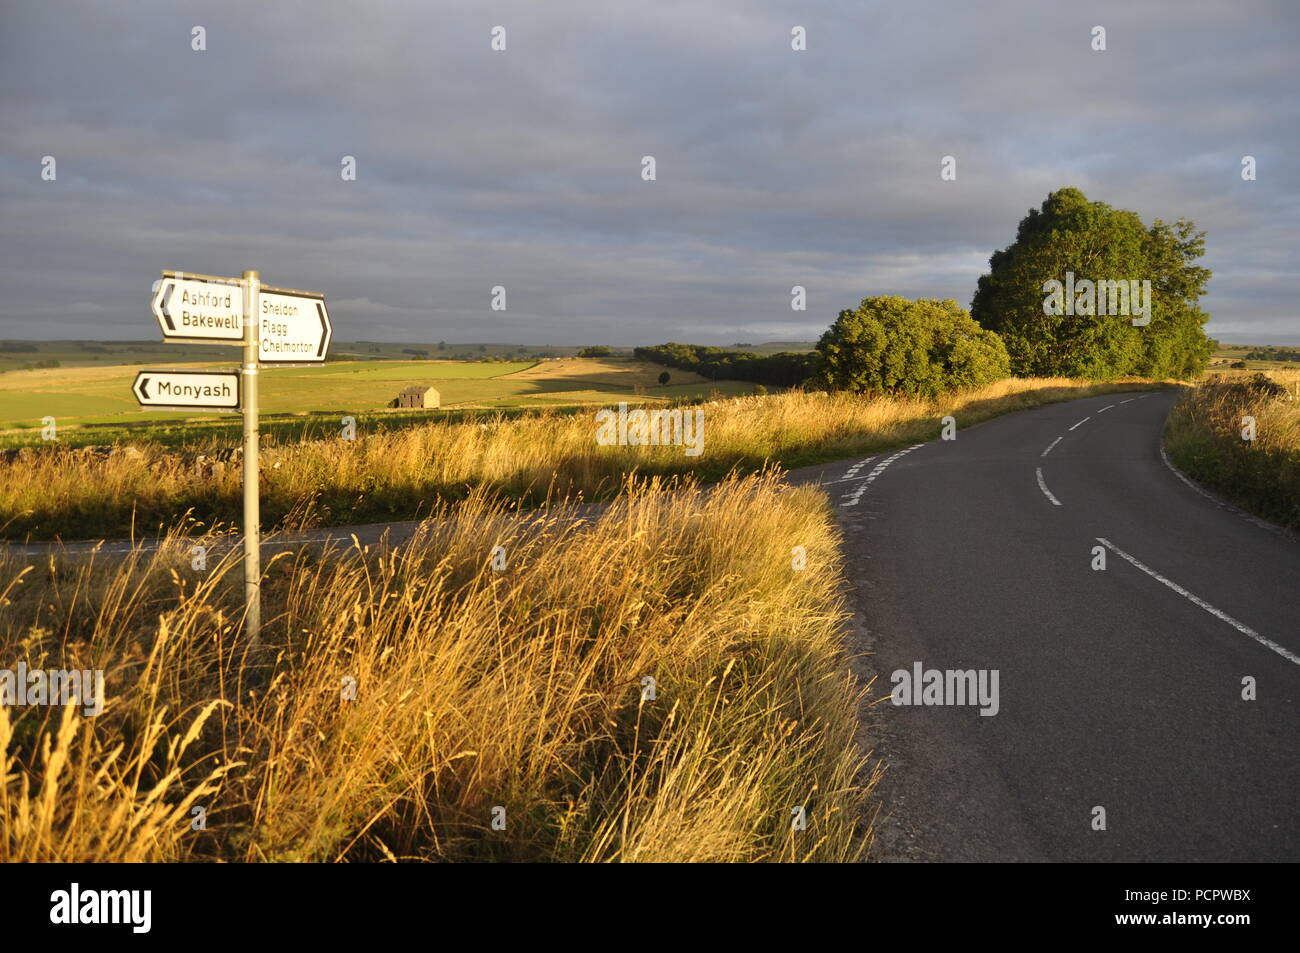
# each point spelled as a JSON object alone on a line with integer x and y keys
{"x": 480, "y": 693}
{"x": 1204, "y": 437}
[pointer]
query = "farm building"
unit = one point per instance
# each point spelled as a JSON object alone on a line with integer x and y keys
{"x": 416, "y": 397}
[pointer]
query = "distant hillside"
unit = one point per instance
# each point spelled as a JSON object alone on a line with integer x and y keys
{"x": 779, "y": 369}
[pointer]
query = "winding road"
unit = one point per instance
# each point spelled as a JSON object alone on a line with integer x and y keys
{"x": 1119, "y": 688}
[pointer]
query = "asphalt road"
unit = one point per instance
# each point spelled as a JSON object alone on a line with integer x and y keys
{"x": 1118, "y": 688}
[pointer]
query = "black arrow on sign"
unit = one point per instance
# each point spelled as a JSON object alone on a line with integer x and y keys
{"x": 324, "y": 328}
{"x": 139, "y": 388}
{"x": 166, "y": 295}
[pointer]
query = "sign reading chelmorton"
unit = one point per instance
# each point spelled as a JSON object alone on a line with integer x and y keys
{"x": 294, "y": 326}
{"x": 274, "y": 326}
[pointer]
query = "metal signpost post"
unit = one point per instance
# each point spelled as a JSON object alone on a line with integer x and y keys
{"x": 252, "y": 491}
{"x": 274, "y": 326}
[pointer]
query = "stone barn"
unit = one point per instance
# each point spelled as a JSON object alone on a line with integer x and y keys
{"x": 417, "y": 397}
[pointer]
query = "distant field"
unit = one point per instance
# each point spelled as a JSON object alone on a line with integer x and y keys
{"x": 18, "y": 355}
{"x": 98, "y": 398}
{"x": 1229, "y": 354}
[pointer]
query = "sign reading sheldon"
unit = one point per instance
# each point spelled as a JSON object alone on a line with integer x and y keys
{"x": 293, "y": 326}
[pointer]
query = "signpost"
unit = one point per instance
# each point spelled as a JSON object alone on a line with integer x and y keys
{"x": 274, "y": 326}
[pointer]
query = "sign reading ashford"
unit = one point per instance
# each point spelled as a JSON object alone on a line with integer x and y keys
{"x": 199, "y": 308}
{"x": 186, "y": 389}
{"x": 274, "y": 326}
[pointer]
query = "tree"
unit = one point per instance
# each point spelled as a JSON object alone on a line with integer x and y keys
{"x": 596, "y": 351}
{"x": 1080, "y": 244}
{"x": 664, "y": 378}
{"x": 894, "y": 345}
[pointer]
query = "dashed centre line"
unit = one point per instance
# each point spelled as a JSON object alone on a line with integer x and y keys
{"x": 1053, "y": 444}
{"x": 1082, "y": 422}
{"x": 1106, "y": 408}
{"x": 1043, "y": 486}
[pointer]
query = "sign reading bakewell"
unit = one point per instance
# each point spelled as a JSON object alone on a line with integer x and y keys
{"x": 201, "y": 310}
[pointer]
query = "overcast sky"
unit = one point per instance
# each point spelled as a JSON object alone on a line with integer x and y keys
{"x": 523, "y": 168}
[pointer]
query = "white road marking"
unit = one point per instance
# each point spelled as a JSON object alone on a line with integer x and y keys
{"x": 1126, "y": 401}
{"x": 1224, "y": 504}
{"x": 1053, "y": 444}
{"x": 853, "y": 497}
{"x": 1082, "y": 422}
{"x": 851, "y": 473}
{"x": 1217, "y": 613}
{"x": 1106, "y": 408}
{"x": 1043, "y": 486}
{"x": 1178, "y": 473}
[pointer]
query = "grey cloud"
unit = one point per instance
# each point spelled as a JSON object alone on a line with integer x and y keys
{"x": 522, "y": 169}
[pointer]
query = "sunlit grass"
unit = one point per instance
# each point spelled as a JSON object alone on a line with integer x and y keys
{"x": 1205, "y": 438}
{"x": 476, "y": 688}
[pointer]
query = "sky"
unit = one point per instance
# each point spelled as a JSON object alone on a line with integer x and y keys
{"x": 522, "y": 168}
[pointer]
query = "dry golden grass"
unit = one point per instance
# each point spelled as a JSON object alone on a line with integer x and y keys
{"x": 1204, "y": 438}
{"x": 401, "y": 474}
{"x": 475, "y": 688}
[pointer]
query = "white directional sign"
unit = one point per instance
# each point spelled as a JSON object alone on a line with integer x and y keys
{"x": 216, "y": 390}
{"x": 199, "y": 309}
{"x": 293, "y": 326}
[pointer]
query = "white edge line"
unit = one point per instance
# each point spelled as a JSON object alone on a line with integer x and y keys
{"x": 1053, "y": 444}
{"x": 1178, "y": 473}
{"x": 1221, "y": 503}
{"x": 1082, "y": 422}
{"x": 1218, "y": 614}
{"x": 1043, "y": 486}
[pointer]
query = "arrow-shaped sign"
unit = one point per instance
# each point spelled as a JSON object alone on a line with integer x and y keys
{"x": 201, "y": 310}
{"x": 216, "y": 390}
{"x": 293, "y": 326}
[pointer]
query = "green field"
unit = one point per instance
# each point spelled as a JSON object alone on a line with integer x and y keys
{"x": 1227, "y": 355}
{"x": 92, "y": 402}
{"x": 23, "y": 355}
